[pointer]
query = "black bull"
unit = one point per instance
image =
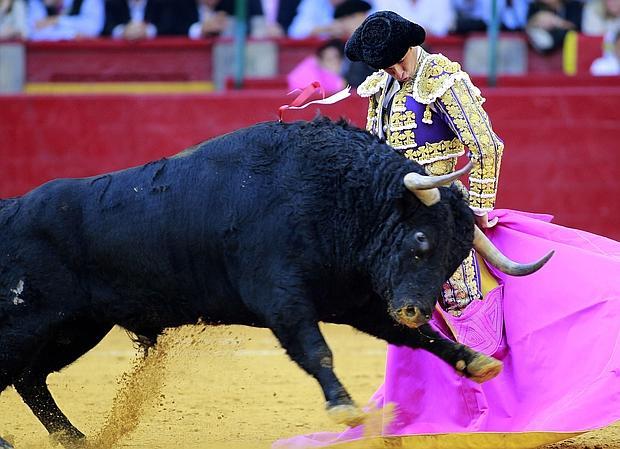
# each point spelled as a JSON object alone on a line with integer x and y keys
{"x": 277, "y": 225}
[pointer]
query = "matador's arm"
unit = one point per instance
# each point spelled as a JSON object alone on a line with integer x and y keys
{"x": 442, "y": 85}
{"x": 461, "y": 107}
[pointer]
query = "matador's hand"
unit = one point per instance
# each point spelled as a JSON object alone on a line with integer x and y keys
{"x": 483, "y": 221}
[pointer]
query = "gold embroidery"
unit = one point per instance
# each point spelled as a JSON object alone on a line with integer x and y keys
{"x": 372, "y": 84}
{"x": 472, "y": 124}
{"x": 372, "y": 119}
{"x": 400, "y": 140}
{"x": 400, "y": 98}
{"x": 436, "y": 75}
{"x": 436, "y": 151}
{"x": 427, "y": 115}
{"x": 439, "y": 168}
{"x": 403, "y": 120}
{"x": 485, "y": 189}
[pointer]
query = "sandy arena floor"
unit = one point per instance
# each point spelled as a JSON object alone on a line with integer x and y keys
{"x": 226, "y": 387}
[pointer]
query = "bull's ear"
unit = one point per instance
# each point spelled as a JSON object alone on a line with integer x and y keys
{"x": 403, "y": 201}
{"x": 395, "y": 193}
{"x": 460, "y": 190}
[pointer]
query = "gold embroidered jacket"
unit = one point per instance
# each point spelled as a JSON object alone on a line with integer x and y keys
{"x": 452, "y": 118}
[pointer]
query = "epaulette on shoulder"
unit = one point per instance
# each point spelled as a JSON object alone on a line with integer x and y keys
{"x": 436, "y": 75}
{"x": 372, "y": 84}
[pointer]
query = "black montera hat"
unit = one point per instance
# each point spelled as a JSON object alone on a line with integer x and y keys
{"x": 383, "y": 39}
{"x": 350, "y": 7}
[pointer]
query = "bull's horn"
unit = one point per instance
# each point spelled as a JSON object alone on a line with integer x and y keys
{"x": 491, "y": 254}
{"x": 425, "y": 187}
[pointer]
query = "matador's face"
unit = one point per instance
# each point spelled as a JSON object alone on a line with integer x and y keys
{"x": 404, "y": 69}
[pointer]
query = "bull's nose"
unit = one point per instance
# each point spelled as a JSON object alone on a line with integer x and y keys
{"x": 412, "y": 316}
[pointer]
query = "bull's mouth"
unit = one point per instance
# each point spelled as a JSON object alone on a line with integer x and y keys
{"x": 411, "y": 316}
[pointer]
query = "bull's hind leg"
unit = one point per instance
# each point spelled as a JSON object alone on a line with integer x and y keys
{"x": 35, "y": 393}
{"x": 21, "y": 339}
{"x": 67, "y": 344}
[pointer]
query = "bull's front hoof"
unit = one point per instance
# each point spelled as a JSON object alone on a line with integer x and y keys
{"x": 5, "y": 444}
{"x": 483, "y": 368}
{"x": 347, "y": 414}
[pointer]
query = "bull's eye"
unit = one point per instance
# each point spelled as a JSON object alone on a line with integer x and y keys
{"x": 420, "y": 237}
{"x": 421, "y": 245}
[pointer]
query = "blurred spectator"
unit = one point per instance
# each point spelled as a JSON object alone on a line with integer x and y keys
{"x": 437, "y": 17}
{"x": 470, "y": 16}
{"x": 609, "y": 63}
{"x": 601, "y": 17}
{"x": 145, "y": 19}
{"x": 286, "y": 12}
{"x": 211, "y": 20}
{"x": 325, "y": 67}
{"x": 314, "y": 18}
{"x": 265, "y": 18}
{"x": 65, "y": 19}
{"x": 549, "y": 21}
{"x": 13, "y": 19}
{"x": 348, "y": 16}
{"x": 274, "y": 19}
{"x": 512, "y": 13}
{"x": 128, "y": 19}
{"x": 476, "y": 15}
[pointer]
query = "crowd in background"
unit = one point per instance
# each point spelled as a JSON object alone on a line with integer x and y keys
{"x": 544, "y": 22}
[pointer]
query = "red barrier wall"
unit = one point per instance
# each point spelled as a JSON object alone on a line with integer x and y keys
{"x": 562, "y": 151}
{"x": 163, "y": 59}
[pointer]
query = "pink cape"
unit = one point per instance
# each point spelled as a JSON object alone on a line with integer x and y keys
{"x": 560, "y": 344}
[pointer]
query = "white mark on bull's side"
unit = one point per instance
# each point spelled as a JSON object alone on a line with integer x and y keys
{"x": 18, "y": 291}
{"x": 245, "y": 182}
